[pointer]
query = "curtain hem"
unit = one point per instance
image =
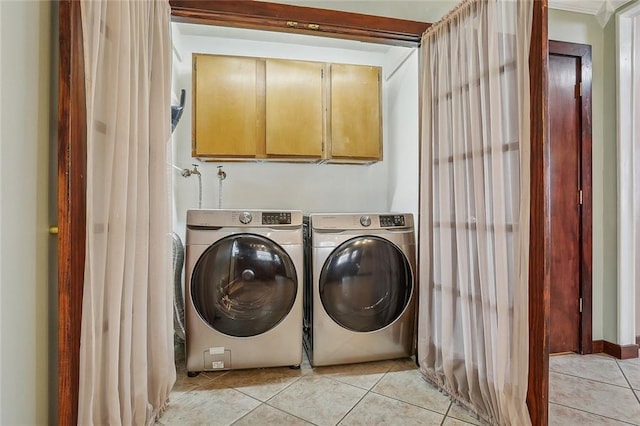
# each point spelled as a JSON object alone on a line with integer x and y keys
{"x": 436, "y": 380}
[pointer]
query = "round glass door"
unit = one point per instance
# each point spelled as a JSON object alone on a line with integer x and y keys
{"x": 244, "y": 285}
{"x": 365, "y": 284}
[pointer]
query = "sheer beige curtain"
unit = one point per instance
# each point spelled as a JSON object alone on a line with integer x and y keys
{"x": 474, "y": 214}
{"x": 126, "y": 350}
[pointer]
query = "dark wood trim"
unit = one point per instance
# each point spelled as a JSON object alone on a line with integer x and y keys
{"x": 539, "y": 256}
{"x": 583, "y": 54}
{"x": 299, "y": 19}
{"x": 616, "y": 350}
{"x": 71, "y": 207}
{"x": 597, "y": 346}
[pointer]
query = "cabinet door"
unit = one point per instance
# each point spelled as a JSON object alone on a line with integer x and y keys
{"x": 355, "y": 112}
{"x": 226, "y": 111}
{"x": 294, "y": 108}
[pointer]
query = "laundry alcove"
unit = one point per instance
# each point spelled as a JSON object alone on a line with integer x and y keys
{"x": 258, "y": 15}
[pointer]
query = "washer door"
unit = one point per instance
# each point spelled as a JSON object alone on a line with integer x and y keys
{"x": 244, "y": 285}
{"x": 365, "y": 284}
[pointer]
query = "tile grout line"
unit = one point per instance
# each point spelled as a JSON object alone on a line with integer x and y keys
{"x": 275, "y": 408}
{"x": 351, "y": 409}
{"x": 593, "y": 414}
{"x": 591, "y": 380}
{"x": 446, "y": 414}
{"x": 363, "y": 396}
{"x": 370, "y": 390}
{"x": 261, "y": 402}
{"x": 628, "y": 382}
{"x": 271, "y": 397}
{"x": 406, "y": 402}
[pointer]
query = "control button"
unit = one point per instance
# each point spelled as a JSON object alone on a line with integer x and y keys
{"x": 365, "y": 221}
{"x": 245, "y": 218}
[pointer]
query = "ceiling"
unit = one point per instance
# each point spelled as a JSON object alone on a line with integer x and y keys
{"x": 433, "y": 10}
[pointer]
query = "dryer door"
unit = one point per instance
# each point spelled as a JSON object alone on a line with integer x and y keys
{"x": 244, "y": 285}
{"x": 366, "y": 284}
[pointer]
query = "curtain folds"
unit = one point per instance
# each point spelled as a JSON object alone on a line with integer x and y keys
{"x": 474, "y": 214}
{"x": 126, "y": 350}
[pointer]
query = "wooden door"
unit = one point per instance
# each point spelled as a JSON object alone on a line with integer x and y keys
{"x": 570, "y": 194}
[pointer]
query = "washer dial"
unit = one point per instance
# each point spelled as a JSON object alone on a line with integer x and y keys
{"x": 365, "y": 220}
{"x": 245, "y": 218}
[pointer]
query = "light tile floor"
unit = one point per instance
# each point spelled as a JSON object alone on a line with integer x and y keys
{"x": 584, "y": 390}
{"x": 593, "y": 390}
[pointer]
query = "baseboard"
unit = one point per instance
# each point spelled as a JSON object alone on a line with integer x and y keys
{"x": 615, "y": 350}
{"x": 598, "y": 346}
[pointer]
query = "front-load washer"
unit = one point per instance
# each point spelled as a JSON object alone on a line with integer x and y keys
{"x": 360, "y": 287}
{"x": 243, "y": 288}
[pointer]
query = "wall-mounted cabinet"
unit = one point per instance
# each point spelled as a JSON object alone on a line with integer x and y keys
{"x": 356, "y": 111}
{"x": 227, "y": 119}
{"x": 294, "y": 108}
{"x": 249, "y": 108}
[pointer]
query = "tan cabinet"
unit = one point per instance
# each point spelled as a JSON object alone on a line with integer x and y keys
{"x": 255, "y": 108}
{"x": 356, "y": 125}
{"x": 294, "y": 108}
{"x": 227, "y": 113}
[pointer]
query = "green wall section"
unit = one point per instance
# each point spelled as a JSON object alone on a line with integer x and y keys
{"x": 609, "y": 204}
{"x": 25, "y": 299}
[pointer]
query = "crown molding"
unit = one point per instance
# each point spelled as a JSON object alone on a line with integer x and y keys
{"x": 590, "y": 7}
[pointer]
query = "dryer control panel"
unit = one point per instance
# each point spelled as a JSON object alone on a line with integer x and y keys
{"x": 387, "y": 221}
{"x": 360, "y": 221}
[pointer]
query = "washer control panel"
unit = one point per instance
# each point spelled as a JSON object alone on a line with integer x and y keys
{"x": 220, "y": 218}
{"x": 276, "y": 218}
{"x": 388, "y": 221}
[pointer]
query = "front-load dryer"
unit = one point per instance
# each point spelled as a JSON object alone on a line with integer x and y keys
{"x": 360, "y": 289}
{"x": 243, "y": 306}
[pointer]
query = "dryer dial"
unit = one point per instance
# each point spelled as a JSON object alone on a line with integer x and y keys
{"x": 245, "y": 218}
{"x": 365, "y": 221}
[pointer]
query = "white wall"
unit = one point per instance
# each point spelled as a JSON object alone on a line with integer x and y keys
{"x": 24, "y": 157}
{"x": 403, "y": 127}
{"x": 621, "y": 62}
{"x": 308, "y": 187}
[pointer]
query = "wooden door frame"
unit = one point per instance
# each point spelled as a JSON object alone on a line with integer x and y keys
{"x": 72, "y": 166}
{"x": 582, "y": 53}
{"x": 248, "y": 14}
{"x": 540, "y": 225}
